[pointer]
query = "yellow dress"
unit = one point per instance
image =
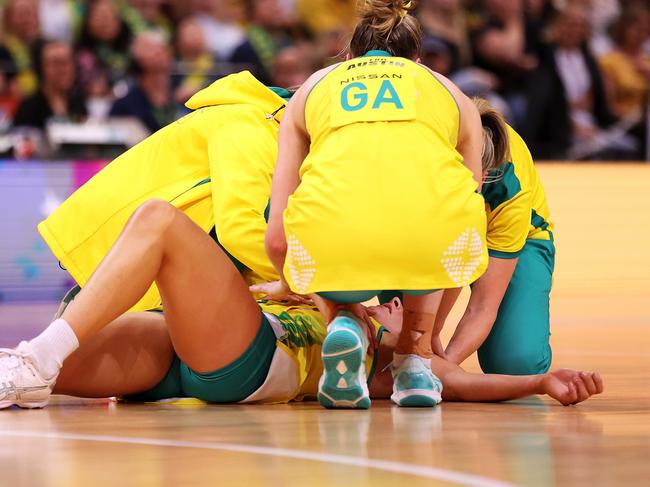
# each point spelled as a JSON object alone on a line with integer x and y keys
{"x": 384, "y": 201}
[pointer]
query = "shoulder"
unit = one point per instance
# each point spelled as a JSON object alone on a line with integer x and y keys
{"x": 300, "y": 97}
{"x": 504, "y": 188}
{"x": 315, "y": 78}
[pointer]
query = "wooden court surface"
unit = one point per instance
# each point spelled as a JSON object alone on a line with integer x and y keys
{"x": 601, "y": 321}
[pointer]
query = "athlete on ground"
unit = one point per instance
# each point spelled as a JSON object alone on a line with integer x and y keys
{"x": 214, "y": 341}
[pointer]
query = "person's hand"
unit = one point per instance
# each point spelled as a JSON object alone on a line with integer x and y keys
{"x": 330, "y": 309}
{"x": 361, "y": 312}
{"x": 326, "y": 307}
{"x": 571, "y": 386}
{"x": 277, "y": 291}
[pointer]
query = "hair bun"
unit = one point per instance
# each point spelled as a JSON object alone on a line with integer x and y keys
{"x": 385, "y": 15}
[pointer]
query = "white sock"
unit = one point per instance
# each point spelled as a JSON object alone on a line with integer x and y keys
{"x": 53, "y": 346}
{"x": 398, "y": 359}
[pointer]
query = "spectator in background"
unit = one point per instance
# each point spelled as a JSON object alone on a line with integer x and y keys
{"x": 323, "y": 17}
{"x": 504, "y": 44}
{"x": 474, "y": 82}
{"x": 220, "y": 29}
{"x": 329, "y": 23}
{"x": 265, "y": 37}
{"x": 20, "y": 30}
{"x": 293, "y": 65}
{"x": 627, "y": 72}
{"x": 56, "y": 97}
{"x": 145, "y": 15}
{"x": 568, "y": 107}
{"x": 149, "y": 99}
{"x": 9, "y": 96}
{"x": 437, "y": 55}
{"x": 444, "y": 20}
{"x": 60, "y": 20}
{"x": 195, "y": 65}
{"x": 627, "y": 68}
{"x": 102, "y": 54}
{"x": 601, "y": 14}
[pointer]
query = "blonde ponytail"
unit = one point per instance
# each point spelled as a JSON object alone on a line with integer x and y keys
{"x": 496, "y": 143}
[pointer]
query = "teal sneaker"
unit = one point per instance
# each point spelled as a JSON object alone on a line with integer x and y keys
{"x": 414, "y": 385}
{"x": 343, "y": 383}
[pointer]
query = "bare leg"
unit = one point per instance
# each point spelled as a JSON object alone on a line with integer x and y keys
{"x": 419, "y": 321}
{"x": 130, "y": 355}
{"x": 210, "y": 313}
{"x": 381, "y": 386}
{"x": 449, "y": 298}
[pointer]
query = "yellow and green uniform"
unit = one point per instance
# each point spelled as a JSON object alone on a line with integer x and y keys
{"x": 519, "y": 227}
{"x": 204, "y": 164}
{"x": 282, "y": 364}
{"x": 384, "y": 201}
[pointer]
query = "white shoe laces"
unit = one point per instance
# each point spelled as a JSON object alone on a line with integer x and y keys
{"x": 12, "y": 362}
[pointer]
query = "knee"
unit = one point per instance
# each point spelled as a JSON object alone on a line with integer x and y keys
{"x": 515, "y": 361}
{"x": 153, "y": 216}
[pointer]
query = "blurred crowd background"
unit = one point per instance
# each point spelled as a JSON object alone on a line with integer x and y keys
{"x": 90, "y": 78}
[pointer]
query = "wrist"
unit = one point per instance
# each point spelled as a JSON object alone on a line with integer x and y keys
{"x": 539, "y": 383}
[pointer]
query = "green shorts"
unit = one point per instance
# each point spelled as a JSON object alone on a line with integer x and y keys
{"x": 232, "y": 383}
{"x": 351, "y": 297}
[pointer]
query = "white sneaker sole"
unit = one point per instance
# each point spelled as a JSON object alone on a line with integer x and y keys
{"x": 24, "y": 405}
{"x": 343, "y": 356}
{"x": 416, "y": 398}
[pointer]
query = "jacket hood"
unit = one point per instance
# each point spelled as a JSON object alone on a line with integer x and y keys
{"x": 237, "y": 89}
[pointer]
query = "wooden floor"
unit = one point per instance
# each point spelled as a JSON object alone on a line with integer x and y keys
{"x": 601, "y": 321}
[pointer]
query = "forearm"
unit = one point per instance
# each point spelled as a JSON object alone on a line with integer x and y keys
{"x": 276, "y": 244}
{"x": 463, "y": 386}
{"x": 487, "y": 293}
{"x": 470, "y": 334}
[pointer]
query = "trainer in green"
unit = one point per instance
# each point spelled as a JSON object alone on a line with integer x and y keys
{"x": 343, "y": 383}
{"x": 414, "y": 385}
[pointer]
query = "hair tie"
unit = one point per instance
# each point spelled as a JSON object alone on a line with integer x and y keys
{"x": 406, "y": 9}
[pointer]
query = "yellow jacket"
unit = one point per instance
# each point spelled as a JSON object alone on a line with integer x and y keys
{"x": 215, "y": 164}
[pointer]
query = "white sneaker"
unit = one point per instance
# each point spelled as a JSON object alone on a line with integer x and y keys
{"x": 414, "y": 385}
{"x": 343, "y": 383}
{"x": 21, "y": 383}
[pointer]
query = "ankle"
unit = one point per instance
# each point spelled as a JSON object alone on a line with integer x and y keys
{"x": 398, "y": 359}
{"x": 53, "y": 346}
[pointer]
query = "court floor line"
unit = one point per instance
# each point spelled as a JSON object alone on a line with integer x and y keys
{"x": 458, "y": 478}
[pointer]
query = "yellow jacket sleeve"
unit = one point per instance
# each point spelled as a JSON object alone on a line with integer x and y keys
{"x": 242, "y": 157}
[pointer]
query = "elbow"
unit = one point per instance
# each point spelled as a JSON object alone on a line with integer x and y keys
{"x": 276, "y": 246}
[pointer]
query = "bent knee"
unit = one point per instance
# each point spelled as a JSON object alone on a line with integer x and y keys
{"x": 515, "y": 362}
{"x": 153, "y": 215}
